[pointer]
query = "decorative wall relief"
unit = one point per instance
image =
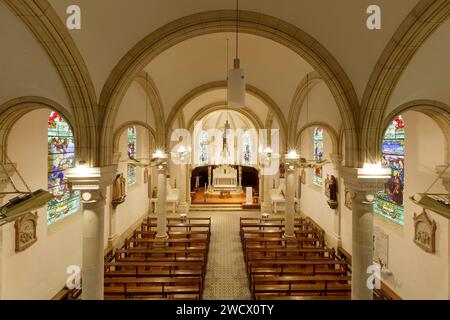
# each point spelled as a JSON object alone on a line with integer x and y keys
{"x": 26, "y": 231}
{"x": 348, "y": 198}
{"x": 119, "y": 194}
{"x": 381, "y": 249}
{"x": 425, "y": 232}
{"x": 145, "y": 175}
{"x": 327, "y": 186}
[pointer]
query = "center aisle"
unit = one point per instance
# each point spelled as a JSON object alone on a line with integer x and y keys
{"x": 226, "y": 277}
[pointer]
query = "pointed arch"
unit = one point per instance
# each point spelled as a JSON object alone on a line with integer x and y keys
{"x": 424, "y": 19}
{"x": 224, "y": 21}
{"x": 52, "y": 34}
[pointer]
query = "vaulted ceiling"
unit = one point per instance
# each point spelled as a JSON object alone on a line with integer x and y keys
{"x": 111, "y": 27}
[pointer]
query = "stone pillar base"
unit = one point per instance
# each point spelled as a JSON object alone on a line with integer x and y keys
{"x": 183, "y": 208}
{"x": 266, "y": 208}
{"x": 291, "y": 241}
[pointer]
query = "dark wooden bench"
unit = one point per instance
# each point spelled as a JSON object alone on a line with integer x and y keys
{"x": 149, "y": 243}
{"x": 139, "y": 268}
{"x": 295, "y": 266}
{"x": 289, "y": 253}
{"x": 174, "y": 253}
{"x": 159, "y": 286}
{"x": 289, "y": 285}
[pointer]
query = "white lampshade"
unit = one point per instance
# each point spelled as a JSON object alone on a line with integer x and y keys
{"x": 236, "y": 86}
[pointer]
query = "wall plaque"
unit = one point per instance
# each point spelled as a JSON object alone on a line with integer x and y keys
{"x": 26, "y": 231}
{"x": 425, "y": 232}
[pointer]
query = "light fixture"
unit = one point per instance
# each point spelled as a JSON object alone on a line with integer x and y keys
{"x": 292, "y": 155}
{"x": 374, "y": 171}
{"x": 159, "y": 154}
{"x": 236, "y": 76}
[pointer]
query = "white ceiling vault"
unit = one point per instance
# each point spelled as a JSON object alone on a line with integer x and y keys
{"x": 112, "y": 27}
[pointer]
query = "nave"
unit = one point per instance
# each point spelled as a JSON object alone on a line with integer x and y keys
{"x": 227, "y": 256}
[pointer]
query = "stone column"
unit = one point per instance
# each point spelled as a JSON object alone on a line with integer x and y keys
{"x": 266, "y": 206}
{"x": 336, "y": 159}
{"x": 92, "y": 183}
{"x": 363, "y": 188}
{"x": 161, "y": 229}
{"x": 209, "y": 178}
{"x": 112, "y": 212}
{"x": 290, "y": 205}
{"x": 183, "y": 206}
{"x": 446, "y": 182}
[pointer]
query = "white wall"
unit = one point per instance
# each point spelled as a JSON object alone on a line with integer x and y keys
{"x": 415, "y": 273}
{"x": 314, "y": 201}
{"x": 137, "y": 203}
{"x": 40, "y": 271}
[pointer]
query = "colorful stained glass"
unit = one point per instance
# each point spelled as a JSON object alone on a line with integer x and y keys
{"x": 247, "y": 148}
{"x": 318, "y": 155}
{"x": 61, "y": 156}
{"x": 132, "y": 154}
{"x": 389, "y": 202}
{"x": 203, "y": 154}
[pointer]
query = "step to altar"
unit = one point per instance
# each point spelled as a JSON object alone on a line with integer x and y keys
{"x": 216, "y": 207}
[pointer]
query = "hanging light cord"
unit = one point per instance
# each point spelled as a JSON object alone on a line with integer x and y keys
{"x": 237, "y": 29}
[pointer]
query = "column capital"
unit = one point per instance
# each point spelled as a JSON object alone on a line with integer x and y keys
{"x": 336, "y": 160}
{"x": 359, "y": 181}
{"x": 91, "y": 181}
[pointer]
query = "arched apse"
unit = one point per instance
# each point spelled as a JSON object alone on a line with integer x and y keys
{"x": 222, "y": 105}
{"x": 438, "y": 111}
{"x": 52, "y": 34}
{"x": 224, "y": 21}
{"x": 13, "y": 110}
{"x": 202, "y": 90}
{"x": 425, "y": 18}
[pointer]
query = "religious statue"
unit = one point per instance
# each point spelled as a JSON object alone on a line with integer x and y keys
{"x": 118, "y": 191}
{"x": 303, "y": 176}
{"x": 333, "y": 189}
{"x": 327, "y": 186}
{"x": 146, "y": 175}
{"x": 155, "y": 193}
{"x": 282, "y": 170}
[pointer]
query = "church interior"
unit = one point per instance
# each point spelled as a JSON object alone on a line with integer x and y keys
{"x": 224, "y": 150}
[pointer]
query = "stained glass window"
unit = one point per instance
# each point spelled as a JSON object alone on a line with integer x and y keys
{"x": 61, "y": 156}
{"x": 318, "y": 155}
{"x": 389, "y": 202}
{"x": 247, "y": 148}
{"x": 132, "y": 153}
{"x": 203, "y": 154}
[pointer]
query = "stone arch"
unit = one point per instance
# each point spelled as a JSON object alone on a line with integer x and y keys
{"x": 224, "y": 21}
{"x": 327, "y": 128}
{"x": 424, "y": 19}
{"x": 436, "y": 110}
{"x": 272, "y": 106}
{"x": 52, "y": 34}
{"x": 13, "y": 110}
{"x": 124, "y": 126}
{"x": 303, "y": 89}
{"x": 149, "y": 86}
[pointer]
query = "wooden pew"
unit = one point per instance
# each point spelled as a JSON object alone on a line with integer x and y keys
{"x": 147, "y": 269}
{"x": 149, "y": 243}
{"x": 295, "y": 266}
{"x": 289, "y": 253}
{"x": 173, "y": 234}
{"x": 161, "y": 286}
{"x": 292, "y": 285}
{"x": 175, "y": 253}
{"x": 267, "y": 242}
{"x": 183, "y": 226}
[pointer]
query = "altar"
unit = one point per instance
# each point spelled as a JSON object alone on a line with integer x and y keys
{"x": 225, "y": 178}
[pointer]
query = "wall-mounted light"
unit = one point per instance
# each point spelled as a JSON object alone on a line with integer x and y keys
{"x": 374, "y": 171}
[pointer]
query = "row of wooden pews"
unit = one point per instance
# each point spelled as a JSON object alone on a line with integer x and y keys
{"x": 300, "y": 270}
{"x": 154, "y": 269}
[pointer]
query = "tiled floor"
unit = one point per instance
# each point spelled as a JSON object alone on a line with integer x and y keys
{"x": 226, "y": 278}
